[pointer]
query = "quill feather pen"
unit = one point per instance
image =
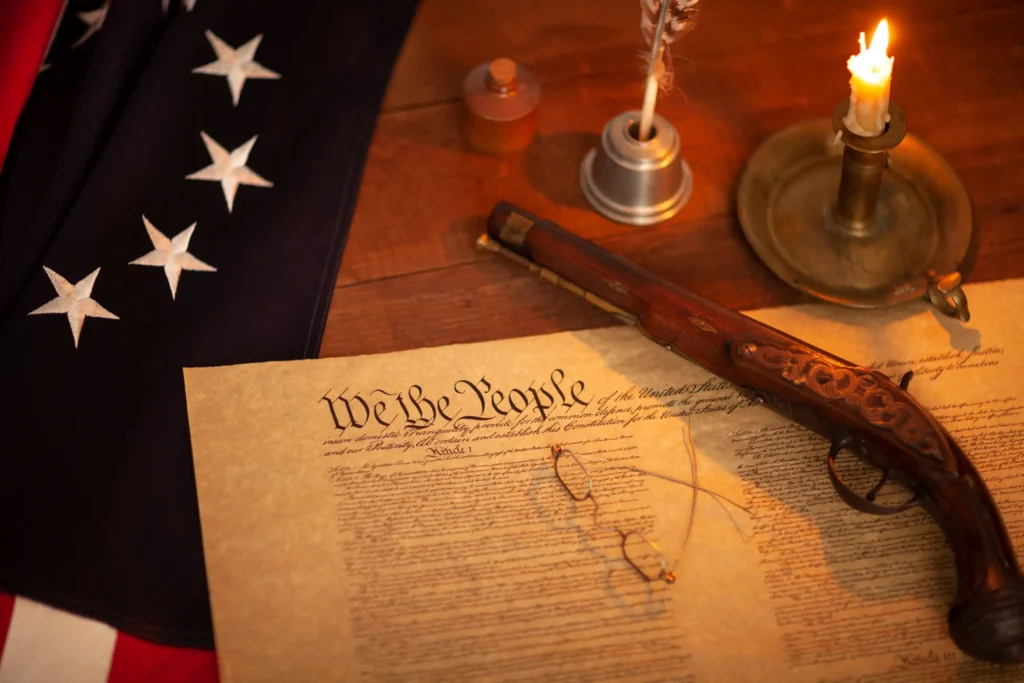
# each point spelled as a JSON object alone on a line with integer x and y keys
{"x": 661, "y": 22}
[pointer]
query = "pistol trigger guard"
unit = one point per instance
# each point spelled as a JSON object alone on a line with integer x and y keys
{"x": 905, "y": 380}
{"x": 854, "y": 500}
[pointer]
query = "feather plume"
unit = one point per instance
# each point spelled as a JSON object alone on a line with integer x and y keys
{"x": 680, "y": 18}
{"x": 661, "y": 22}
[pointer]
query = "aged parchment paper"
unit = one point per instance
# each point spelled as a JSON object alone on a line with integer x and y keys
{"x": 396, "y": 517}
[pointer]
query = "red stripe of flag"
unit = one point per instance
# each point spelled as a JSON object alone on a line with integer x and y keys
{"x": 6, "y": 610}
{"x": 137, "y": 661}
{"x": 26, "y": 27}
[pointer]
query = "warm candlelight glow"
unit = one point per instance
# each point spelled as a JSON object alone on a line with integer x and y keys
{"x": 873, "y": 65}
{"x": 869, "y": 86}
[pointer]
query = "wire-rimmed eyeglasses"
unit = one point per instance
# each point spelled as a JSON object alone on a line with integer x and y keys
{"x": 638, "y": 552}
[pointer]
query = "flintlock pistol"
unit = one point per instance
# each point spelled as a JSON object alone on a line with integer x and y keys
{"x": 860, "y": 410}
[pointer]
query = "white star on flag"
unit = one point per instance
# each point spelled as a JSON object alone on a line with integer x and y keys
{"x": 237, "y": 64}
{"x": 229, "y": 168}
{"x": 75, "y": 300}
{"x": 93, "y": 22}
{"x": 172, "y": 254}
{"x": 187, "y": 4}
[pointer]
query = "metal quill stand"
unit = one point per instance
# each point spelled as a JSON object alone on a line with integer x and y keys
{"x": 634, "y": 181}
{"x": 860, "y": 221}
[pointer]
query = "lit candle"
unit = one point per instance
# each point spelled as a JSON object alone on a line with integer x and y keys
{"x": 869, "y": 85}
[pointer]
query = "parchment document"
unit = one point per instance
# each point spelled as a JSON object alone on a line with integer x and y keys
{"x": 397, "y": 517}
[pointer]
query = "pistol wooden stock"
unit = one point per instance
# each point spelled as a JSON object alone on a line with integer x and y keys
{"x": 859, "y": 409}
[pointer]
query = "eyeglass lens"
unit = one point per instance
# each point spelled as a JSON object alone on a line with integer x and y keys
{"x": 573, "y": 475}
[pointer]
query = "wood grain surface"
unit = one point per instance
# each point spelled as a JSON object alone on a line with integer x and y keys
{"x": 411, "y": 276}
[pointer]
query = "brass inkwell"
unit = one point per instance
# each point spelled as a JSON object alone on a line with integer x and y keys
{"x": 861, "y": 220}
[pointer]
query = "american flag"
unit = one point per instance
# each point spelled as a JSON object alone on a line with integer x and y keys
{"x": 41, "y": 644}
{"x": 176, "y": 192}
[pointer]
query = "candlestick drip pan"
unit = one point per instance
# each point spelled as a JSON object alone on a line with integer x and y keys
{"x": 786, "y": 200}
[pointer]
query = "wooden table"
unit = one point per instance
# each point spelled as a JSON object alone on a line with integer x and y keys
{"x": 411, "y": 276}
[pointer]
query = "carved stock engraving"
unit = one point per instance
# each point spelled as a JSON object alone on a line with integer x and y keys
{"x": 856, "y": 389}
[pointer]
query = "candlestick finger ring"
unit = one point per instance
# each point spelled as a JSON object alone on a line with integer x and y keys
{"x": 946, "y": 294}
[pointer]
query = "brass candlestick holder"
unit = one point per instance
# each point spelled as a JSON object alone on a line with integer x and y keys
{"x": 861, "y": 221}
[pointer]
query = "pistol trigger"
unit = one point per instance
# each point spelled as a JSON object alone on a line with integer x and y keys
{"x": 905, "y": 380}
{"x": 870, "y": 495}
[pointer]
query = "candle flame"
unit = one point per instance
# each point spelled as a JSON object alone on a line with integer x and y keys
{"x": 873, "y": 65}
{"x": 879, "y": 41}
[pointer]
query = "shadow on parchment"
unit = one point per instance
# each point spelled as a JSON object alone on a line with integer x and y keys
{"x": 850, "y": 565}
{"x": 552, "y": 166}
{"x": 961, "y": 336}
